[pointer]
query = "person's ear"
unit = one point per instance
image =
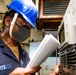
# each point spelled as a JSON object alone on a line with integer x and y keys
{"x": 8, "y": 21}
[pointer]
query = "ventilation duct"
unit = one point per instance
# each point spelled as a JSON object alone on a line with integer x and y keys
{"x": 55, "y": 7}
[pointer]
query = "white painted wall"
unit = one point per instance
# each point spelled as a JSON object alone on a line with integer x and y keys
{"x": 36, "y": 35}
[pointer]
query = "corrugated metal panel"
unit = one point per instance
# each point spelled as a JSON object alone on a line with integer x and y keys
{"x": 55, "y": 7}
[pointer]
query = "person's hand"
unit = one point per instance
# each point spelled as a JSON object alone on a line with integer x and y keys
{"x": 24, "y": 71}
{"x": 56, "y": 70}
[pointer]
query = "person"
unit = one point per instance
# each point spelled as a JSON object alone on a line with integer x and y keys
{"x": 17, "y": 23}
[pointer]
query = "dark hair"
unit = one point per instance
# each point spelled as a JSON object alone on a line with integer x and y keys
{"x": 9, "y": 13}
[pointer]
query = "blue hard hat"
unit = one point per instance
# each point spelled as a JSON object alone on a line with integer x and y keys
{"x": 26, "y": 8}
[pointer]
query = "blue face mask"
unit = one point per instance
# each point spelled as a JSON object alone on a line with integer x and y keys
{"x": 22, "y": 34}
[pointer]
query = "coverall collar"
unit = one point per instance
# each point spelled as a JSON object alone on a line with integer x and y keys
{"x": 7, "y": 51}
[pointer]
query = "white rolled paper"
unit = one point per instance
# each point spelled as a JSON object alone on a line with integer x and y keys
{"x": 48, "y": 45}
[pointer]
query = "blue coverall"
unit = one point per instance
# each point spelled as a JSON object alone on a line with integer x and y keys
{"x": 8, "y": 61}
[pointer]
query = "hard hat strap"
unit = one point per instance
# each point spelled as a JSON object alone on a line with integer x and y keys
{"x": 12, "y": 24}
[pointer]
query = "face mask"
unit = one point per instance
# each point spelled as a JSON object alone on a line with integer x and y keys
{"x": 22, "y": 34}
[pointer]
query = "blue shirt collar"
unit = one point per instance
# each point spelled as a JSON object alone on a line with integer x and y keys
{"x": 22, "y": 52}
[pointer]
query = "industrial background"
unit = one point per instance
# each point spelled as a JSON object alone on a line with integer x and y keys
{"x": 50, "y": 18}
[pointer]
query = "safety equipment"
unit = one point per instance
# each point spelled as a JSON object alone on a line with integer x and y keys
{"x": 12, "y": 24}
{"x": 26, "y": 8}
{"x": 22, "y": 34}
